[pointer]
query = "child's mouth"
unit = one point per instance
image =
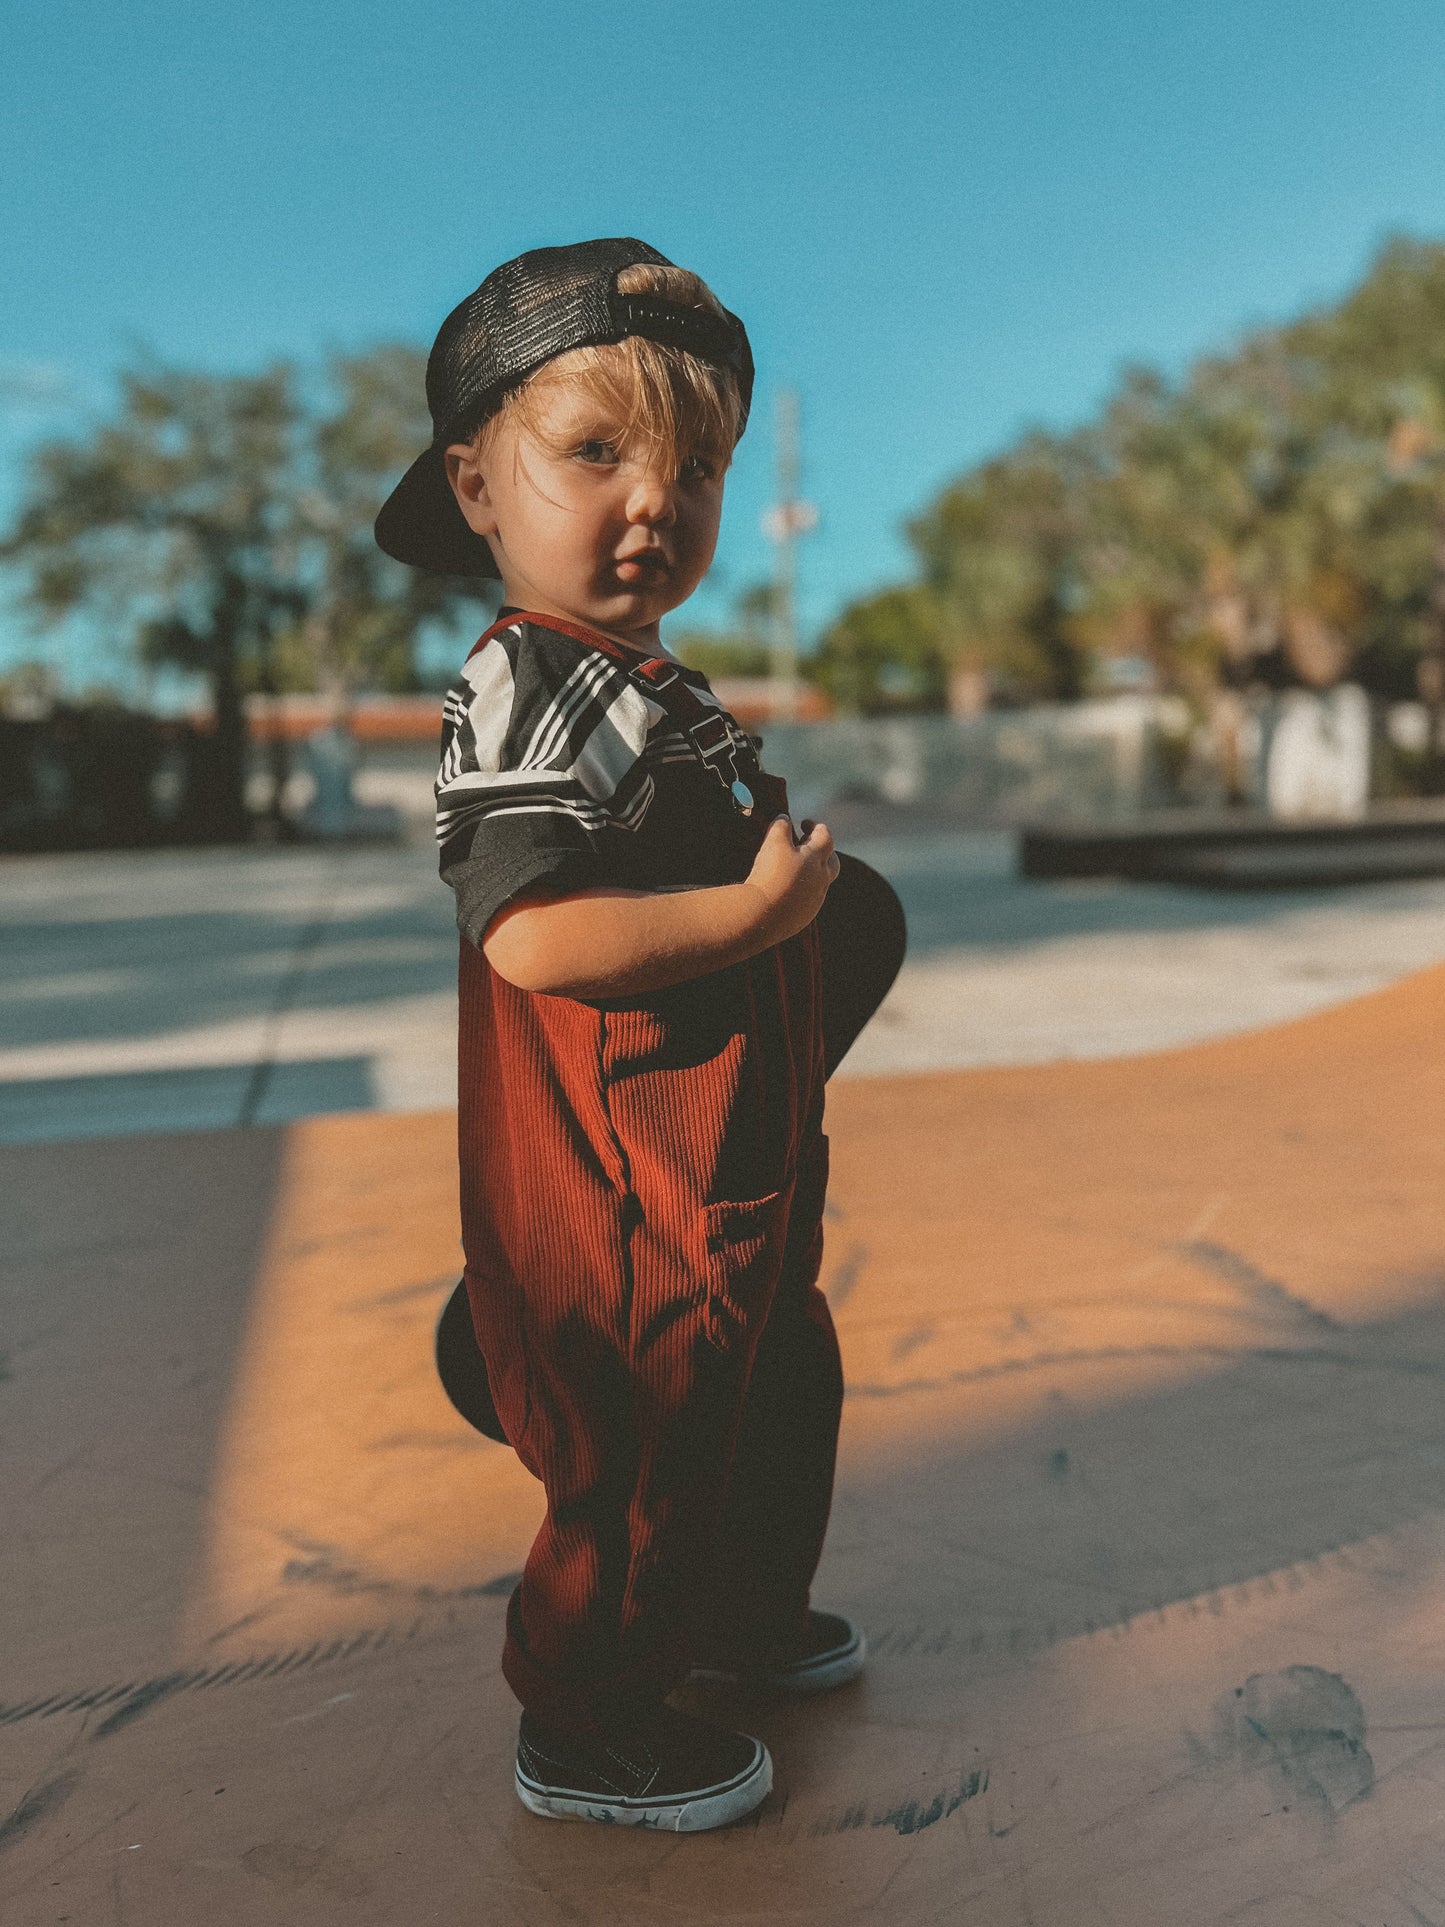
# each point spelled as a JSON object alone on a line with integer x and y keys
{"x": 648, "y": 567}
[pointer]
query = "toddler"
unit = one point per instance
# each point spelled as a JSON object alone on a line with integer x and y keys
{"x": 642, "y": 1049}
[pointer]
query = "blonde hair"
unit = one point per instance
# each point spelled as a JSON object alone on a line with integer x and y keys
{"x": 665, "y": 402}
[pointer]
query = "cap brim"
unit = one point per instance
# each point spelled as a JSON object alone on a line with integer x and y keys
{"x": 421, "y": 524}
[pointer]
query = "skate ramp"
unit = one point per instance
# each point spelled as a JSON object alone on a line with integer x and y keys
{"x": 1139, "y": 1500}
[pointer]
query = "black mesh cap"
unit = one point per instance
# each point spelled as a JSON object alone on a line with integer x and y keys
{"x": 527, "y": 311}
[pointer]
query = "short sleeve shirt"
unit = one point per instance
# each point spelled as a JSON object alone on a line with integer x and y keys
{"x": 559, "y": 773}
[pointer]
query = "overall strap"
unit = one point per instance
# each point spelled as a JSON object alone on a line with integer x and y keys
{"x": 706, "y": 730}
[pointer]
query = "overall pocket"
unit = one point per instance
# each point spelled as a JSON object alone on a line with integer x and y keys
{"x": 744, "y": 1242}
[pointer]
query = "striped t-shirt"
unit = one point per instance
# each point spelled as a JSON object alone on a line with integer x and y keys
{"x": 559, "y": 773}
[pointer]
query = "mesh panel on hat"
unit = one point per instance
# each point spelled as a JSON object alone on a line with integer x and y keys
{"x": 526, "y": 311}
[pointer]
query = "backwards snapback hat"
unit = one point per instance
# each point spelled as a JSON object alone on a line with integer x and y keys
{"x": 526, "y": 312}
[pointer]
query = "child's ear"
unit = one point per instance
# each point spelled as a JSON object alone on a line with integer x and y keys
{"x": 469, "y": 485}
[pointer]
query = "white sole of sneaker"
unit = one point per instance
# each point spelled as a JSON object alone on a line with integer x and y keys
{"x": 707, "y": 1807}
{"x": 814, "y": 1675}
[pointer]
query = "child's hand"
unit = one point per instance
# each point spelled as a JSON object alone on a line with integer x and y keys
{"x": 793, "y": 877}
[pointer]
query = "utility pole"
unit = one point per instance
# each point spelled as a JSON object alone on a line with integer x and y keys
{"x": 783, "y": 523}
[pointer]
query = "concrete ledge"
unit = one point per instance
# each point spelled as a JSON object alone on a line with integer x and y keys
{"x": 1243, "y": 851}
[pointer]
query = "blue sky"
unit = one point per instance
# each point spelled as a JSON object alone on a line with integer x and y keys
{"x": 940, "y": 222}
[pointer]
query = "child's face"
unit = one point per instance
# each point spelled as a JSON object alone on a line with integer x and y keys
{"x": 582, "y": 526}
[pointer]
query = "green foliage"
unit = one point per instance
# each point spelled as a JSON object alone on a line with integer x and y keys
{"x": 223, "y": 524}
{"x": 885, "y": 654}
{"x": 1278, "y": 513}
{"x": 721, "y": 652}
{"x": 361, "y": 627}
{"x": 741, "y": 649}
{"x": 1000, "y": 551}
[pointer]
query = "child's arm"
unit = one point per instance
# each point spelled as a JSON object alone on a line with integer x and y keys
{"x": 623, "y": 943}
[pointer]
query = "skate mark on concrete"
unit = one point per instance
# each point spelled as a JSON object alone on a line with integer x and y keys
{"x": 471, "y": 1442}
{"x": 1264, "y": 1293}
{"x": 129, "y": 1699}
{"x": 236, "y": 1626}
{"x": 912, "y": 1341}
{"x": 908, "y": 1816}
{"x": 324, "y": 1569}
{"x": 843, "y": 1279}
{"x": 37, "y": 1805}
{"x": 1305, "y": 1724}
{"x": 401, "y": 1294}
{"x": 139, "y": 1702}
{"x": 1357, "y": 1361}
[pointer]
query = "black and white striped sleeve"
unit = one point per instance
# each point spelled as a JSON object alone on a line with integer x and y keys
{"x": 542, "y": 765}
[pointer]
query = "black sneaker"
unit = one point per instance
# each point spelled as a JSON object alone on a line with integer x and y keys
{"x": 669, "y": 1771}
{"x": 832, "y": 1652}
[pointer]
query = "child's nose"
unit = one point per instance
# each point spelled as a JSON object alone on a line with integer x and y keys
{"x": 652, "y": 499}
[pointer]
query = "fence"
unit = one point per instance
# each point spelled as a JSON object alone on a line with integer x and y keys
{"x": 1092, "y": 759}
{"x": 100, "y": 777}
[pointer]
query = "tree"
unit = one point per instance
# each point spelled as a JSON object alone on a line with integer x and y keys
{"x": 743, "y": 648}
{"x": 223, "y": 524}
{"x": 886, "y": 653}
{"x": 1276, "y": 515}
{"x": 999, "y": 550}
{"x": 172, "y": 520}
{"x": 361, "y": 623}
{"x": 1379, "y": 391}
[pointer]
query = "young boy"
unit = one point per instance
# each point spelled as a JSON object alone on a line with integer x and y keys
{"x": 641, "y": 1053}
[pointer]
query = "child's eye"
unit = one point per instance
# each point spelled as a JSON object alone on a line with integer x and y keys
{"x": 601, "y": 454}
{"x": 697, "y": 468}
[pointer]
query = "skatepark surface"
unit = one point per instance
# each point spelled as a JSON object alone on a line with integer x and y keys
{"x": 1138, "y": 1497}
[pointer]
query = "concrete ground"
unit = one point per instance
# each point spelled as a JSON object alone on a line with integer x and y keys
{"x": 1139, "y": 1483}
{"x": 169, "y": 991}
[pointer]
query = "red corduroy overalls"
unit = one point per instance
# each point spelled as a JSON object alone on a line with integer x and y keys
{"x": 642, "y": 1195}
